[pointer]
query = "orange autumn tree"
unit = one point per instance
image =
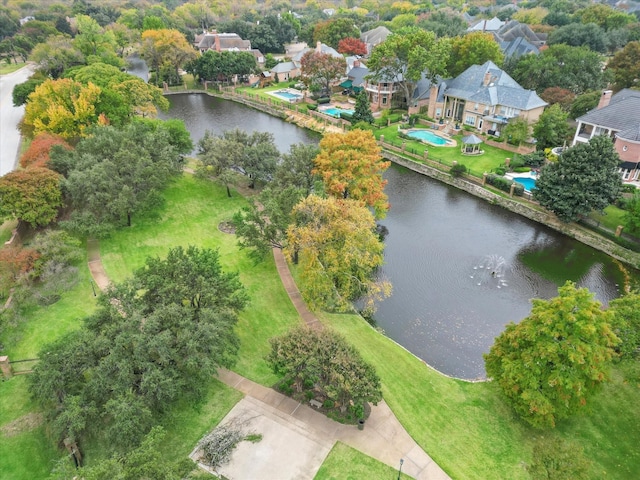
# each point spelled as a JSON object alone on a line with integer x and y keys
{"x": 351, "y": 167}
{"x": 37, "y": 155}
{"x": 32, "y": 196}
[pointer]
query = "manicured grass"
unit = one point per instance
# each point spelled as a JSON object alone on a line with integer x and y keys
{"x": 193, "y": 210}
{"x": 492, "y": 157}
{"x": 44, "y": 324}
{"x": 28, "y": 453}
{"x": 612, "y": 217}
{"x": 10, "y": 68}
{"x": 469, "y": 430}
{"x": 346, "y": 463}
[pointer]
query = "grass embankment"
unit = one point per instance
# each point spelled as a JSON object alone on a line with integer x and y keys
{"x": 346, "y": 463}
{"x": 469, "y": 430}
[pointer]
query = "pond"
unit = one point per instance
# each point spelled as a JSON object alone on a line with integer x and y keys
{"x": 461, "y": 268}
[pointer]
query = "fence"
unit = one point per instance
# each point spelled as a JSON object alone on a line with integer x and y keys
{"x": 10, "y": 368}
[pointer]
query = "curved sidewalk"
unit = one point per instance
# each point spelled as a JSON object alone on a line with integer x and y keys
{"x": 383, "y": 438}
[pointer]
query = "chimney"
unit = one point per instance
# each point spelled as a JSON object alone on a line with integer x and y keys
{"x": 605, "y": 98}
{"x": 487, "y": 79}
{"x": 356, "y": 63}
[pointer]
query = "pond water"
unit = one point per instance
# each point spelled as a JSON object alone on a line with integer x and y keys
{"x": 461, "y": 268}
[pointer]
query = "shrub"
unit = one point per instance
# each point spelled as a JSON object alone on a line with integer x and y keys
{"x": 534, "y": 159}
{"x": 458, "y": 170}
{"x": 347, "y": 116}
{"x": 522, "y": 169}
{"x": 323, "y": 100}
{"x": 517, "y": 163}
{"x": 312, "y": 107}
{"x": 504, "y": 184}
{"x": 37, "y": 155}
{"x": 501, "y": 170}
{"x": 629, "y": 188}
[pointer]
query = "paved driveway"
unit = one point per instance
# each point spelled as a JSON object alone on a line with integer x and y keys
{"x": 10, "y": 116}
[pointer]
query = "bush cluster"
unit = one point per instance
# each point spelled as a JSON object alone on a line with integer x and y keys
{"x": 504, "y": 184}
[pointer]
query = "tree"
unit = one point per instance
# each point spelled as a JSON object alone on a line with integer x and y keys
{"x": 443, "y": 23}
{"x": 322, "y": 363}
{"x": 222, "y": 66}
{"x": 577, "y": 69}
{"x": 362, "y": 111}
{"x": 580, "y": 35}
{"x": 155, "y": 338}
{"x": 551, "y": 130}
{"x": 166, "y": 51}
{"x": 63, "y": 107}
{"x": 263, "y": 225}
{"x": 516, "y": 131}
{"x": 553, "y": 361}
{"x": 351, "y": 167}
{"x": 56, "y": 55}
{"x": 352, "y": 46}
{"x": 626, "y": 324}
{"x": 632, "y": 214}
{"x": 339, "y": 251}
{"x": 37, "y": 155}
{"x": 22, "y": 90}
{"x": 404, "y": 57}
{"x": 584, "y": 103}
{"x": 560, "y": 96}
{"x": 115, "y": 174}
{"x": 331, "y": 31}
{"x": 296, "y": 169}
{"x": 474, "y": 48}
{"x": 32, "y": 196}
{"x": 321, "y": 69}
{"x": 584, "y": 178}
{"x": 625, "y": 66}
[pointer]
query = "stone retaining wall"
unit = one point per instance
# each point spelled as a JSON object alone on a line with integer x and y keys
{"x": 529, "y": 211}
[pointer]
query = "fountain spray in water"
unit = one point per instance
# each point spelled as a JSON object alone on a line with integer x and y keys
{"x": 490, "y": 271}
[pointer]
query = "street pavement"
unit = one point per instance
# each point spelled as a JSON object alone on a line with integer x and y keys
{"x": 10, "y": 116}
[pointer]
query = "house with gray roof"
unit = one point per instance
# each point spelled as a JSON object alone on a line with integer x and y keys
{"x": 617, "y": 116}
{"x": 373, "y": 37}
{"x": 221, "y": 42}
{"x": 285, "y": 71}
{"x": 483, "y": 96}
{"x": 484, "y": 25}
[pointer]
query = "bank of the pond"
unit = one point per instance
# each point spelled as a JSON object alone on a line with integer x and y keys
{"x": 520, "y": 207}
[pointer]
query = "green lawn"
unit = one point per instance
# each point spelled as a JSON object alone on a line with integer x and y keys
{"x": 10, "y": 67}
{"x": 193, "y": 210}
{"x": 611, "y": 218}
{"x": 492, "y": 158}
{"x": 26, "y": 452}
{"x": 346, "y": 463}
{"x": 471, "y": 433}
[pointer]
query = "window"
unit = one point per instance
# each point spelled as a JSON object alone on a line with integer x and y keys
{"x": 438, "y": 112}
{"x": 384, "y": 100}
{"x": 625, "y": 148}
{"x": 476, "y": 107}
{"x": 470, "y": 120}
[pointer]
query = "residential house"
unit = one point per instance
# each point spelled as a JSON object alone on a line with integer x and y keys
{"x": 355, "y": 77}
{"x": 516, "y": 39}
{"x": 486, "y": 97}
{"x": 617, "y": 116}
{"x": 485, "y": 25}
{"x": 221, "y": 42}
{"x": 285, "y": 71}
{"x": 371, "y": 38}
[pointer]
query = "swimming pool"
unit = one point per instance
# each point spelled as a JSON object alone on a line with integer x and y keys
{"x": 529, "y": 183}
{"x": 428, "y": 136}
{"x": 336, "y": 112}
{"x": 289, "y": 95}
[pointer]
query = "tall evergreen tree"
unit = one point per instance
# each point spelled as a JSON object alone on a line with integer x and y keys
{"x": 363, "y": 109}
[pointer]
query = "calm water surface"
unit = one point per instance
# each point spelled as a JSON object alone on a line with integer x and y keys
{"x": 461, "y": 268}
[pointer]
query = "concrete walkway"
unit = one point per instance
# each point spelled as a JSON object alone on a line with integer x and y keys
{"x": 383, "y": 438}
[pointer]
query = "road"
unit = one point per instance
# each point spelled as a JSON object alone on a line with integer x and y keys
{"x": 10, "y": 116}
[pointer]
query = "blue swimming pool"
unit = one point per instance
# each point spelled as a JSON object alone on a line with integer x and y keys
{"x": 336, "y": 112}
{"x": 290, "y": 96}
{"x": 427, "y": 136}
{"x": 529, "y": 183}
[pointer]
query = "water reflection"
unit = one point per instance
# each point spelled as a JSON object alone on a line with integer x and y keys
{"x": 436, "y": 236}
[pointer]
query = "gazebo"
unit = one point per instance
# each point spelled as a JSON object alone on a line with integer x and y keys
{"x": 471, "y": 145}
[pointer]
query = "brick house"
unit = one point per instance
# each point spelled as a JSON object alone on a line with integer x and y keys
{"x": 617, "y": 116}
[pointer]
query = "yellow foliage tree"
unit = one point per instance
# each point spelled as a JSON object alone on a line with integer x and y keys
{"x": 351, "y": 167}
{"x": 338, "y": 251}
{"x": 166, "y": 50}
{"x": 63, "y": 107}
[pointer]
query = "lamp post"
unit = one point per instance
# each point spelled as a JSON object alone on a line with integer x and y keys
{"x": 93, "y": 287}
{"x": 400, "y": 469}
